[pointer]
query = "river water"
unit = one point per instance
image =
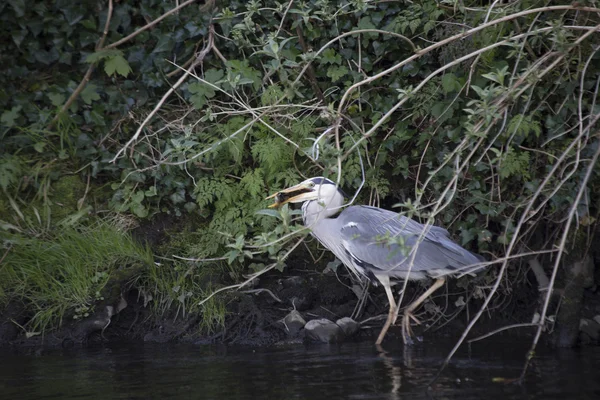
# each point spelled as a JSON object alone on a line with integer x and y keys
{"x": 342, "y": 371}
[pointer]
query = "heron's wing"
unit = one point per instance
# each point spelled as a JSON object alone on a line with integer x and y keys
{"x": 382, "y": 241}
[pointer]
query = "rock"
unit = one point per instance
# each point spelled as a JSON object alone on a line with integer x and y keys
{"x": 348, "y": 326}
{"x": 293, "y": 323}
{"x": 597, "y": 319}
{"x": 590, "y": 327}
{"x": 323, "y": 330}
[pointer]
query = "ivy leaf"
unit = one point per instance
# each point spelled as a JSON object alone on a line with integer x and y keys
{"x": 244, "y": 69}
{"x": 438, "y": 109}
{"x": 165, "y": 43}
{"x": 117, "y": 64}
{"x": 366, "y": 23}
{"x": 18, "y": 6}
{"x": 200, "y": 93}
{"x": 139, "y": 210}
{"x": 57, "y": 99}
{"x": 467, "y": 235}
{"x": 8, "y": 117}
{"x": 10, "y": 169}
{"x": 151, "y": 192}
{"x": 335, "y": 73}
{"x": 138, "y": 196}
{"x": 329, "y": 56}
{"x": 178, "y": 197}
{"x": 213, "y": 76}
{"x": 102, "y": 54}
{"x": 89, "y": 24}
{"x": 89, "y": 94}
{"x": 19, "y": 36}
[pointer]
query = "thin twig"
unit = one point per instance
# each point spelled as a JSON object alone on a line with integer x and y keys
{"x": 208, "y": 5}
{"x": 257, "y": 291}
{"x": 253, "y": 276}
{"x": 504, "y": 328}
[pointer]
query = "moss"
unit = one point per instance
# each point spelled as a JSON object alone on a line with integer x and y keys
{"x": 64, "y": 195}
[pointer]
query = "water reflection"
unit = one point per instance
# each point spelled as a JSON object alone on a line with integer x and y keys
{"x": 346, "y": 371}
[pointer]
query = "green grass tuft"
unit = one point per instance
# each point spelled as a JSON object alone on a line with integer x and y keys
{"x": 64, "y": 273}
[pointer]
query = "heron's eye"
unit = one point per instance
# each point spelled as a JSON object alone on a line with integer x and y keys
{"x": 311, "y": 184}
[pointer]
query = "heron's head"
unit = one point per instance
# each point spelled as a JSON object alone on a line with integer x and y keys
{"x": 319, "y": 188}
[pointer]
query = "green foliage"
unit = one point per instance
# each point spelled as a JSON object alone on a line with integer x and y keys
{"x": 62, "y": 276}
{"x": 248, "y": 119}
{"x": 10, "y": 171}
{"x": 515, "y": 163}
{"x": 113, "y": 62}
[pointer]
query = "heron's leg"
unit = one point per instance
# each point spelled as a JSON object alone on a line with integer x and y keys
{"x": 385, "y": 282}
{"x": 406, "y": 331}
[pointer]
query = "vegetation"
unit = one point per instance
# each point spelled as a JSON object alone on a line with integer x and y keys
{"x": 65, "y": 274}
{"x": 483, "y": 119}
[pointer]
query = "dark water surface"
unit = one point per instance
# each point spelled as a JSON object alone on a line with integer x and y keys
{"x": 344, "y": 371}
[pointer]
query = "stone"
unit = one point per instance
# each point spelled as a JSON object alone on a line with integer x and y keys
{"x": 597, "y": 319}
{"x": 294, "y": 322}
{"x": 348, "y": 326}
{"x": 590, "y": 327}
{"x": 323, "y": 330}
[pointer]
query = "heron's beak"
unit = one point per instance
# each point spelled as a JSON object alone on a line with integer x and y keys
{"x": 294, "y": 194}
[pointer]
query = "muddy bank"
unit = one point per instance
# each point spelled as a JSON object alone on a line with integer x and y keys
{"x": 255, "y": 315}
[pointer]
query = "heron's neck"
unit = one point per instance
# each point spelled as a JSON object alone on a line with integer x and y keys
{"x": 316, "y": 211}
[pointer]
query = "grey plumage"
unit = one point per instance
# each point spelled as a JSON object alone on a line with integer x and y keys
{"x": 378, "y": 243}
{"x": 386, "y": 241}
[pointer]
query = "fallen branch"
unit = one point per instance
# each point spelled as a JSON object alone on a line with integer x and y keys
{"x": 253, "y": 276}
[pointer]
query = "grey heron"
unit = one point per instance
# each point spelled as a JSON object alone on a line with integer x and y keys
{"x": 377, "y": 243}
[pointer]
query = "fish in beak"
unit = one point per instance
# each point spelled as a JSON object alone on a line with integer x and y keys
{"x": 295, "y": 194}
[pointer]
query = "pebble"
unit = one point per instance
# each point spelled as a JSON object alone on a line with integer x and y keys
{"x": 323, "y": 330}
{"x": 348, "y": 326}
{"x": 294, "y": 322}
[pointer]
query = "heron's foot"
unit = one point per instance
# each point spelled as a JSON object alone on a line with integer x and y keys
{"x": 407, "y": 334}
{"x": 386, "y": 326}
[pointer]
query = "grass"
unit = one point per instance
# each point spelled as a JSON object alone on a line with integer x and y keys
{"x": 177, "y": 288}
{"x": 64, "y": 273}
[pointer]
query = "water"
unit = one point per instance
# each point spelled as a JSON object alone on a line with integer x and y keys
{"x": 344, "y": 371}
